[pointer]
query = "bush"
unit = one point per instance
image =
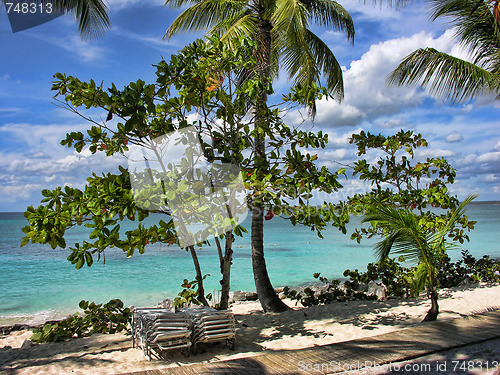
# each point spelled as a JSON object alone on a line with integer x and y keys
{"x": 397, "y": 279}
{"x": 468, "y": 269}
{"x": 110, "y": 318}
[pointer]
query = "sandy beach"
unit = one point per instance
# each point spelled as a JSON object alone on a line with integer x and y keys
{"x": 298, "y": 328}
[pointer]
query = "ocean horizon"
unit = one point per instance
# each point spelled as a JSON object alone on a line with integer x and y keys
{"x": 38, "y": 283}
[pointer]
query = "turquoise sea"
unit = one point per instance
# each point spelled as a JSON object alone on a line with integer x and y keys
{"x": 38, "y": 283}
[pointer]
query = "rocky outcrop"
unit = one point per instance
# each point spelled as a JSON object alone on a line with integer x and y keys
{"x": 238, "y": 295}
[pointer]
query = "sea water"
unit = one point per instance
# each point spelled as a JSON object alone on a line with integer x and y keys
{"x": 38, "y": 283}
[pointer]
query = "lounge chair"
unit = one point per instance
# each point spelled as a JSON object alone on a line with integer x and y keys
{"x": 157, "y": 330}
{"x": 210, "y": 325}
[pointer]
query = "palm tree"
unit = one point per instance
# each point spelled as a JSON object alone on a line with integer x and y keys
{"x": 450, "y": 77}
{"x": 424, "y": 247}
{"x": 91, "y": 15}
{"x": 283, "y": 40}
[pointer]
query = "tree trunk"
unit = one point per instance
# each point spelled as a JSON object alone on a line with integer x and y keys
{"x": 268, "y": 298}
{"x": 226, "y": 271}
{"x": 219, "y": 251}
{"x": 199, "y": 276}
{"x": 433, "y": 313}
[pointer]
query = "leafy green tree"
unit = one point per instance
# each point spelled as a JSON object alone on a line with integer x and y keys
{"x": 400, "y": 181}
{"x": 196, "y": 88}
{"x": 283, "y": 40}
{"x": 141, "y": 113}
{"x": 91, "y": 15}
{"x": 425, "y": 247}
{"x": 409, "y": 205}
{"x": 476, "y": 27}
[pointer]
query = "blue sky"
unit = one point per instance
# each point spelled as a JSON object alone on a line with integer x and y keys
{"x": 31, "y": 126}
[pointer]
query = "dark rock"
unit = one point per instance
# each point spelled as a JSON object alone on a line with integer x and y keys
{"x": 244, "y": 296}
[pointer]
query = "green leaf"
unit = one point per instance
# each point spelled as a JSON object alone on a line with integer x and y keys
{"x": 80, "y": 262}
{"x": 88, "y": 258}
{"x": 24, "y": 241}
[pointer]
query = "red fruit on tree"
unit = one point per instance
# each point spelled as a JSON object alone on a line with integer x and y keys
{"x": 269, "y": 215}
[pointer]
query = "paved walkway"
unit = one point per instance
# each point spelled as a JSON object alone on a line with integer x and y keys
{"x": 408, "y": 343}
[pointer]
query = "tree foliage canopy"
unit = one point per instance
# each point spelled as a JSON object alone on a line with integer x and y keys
{"x": 196, "y": 88}
{"x": 400, "y": 180}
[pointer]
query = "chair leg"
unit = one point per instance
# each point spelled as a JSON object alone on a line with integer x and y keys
{"x": 230, "y": 343}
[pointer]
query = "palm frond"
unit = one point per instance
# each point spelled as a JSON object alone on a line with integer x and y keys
{"x": 439, "y": 238}
{"x": 421, "y": 277}
{"x": 474, "y": 25}
{"x": 330, "y": 14}
{"x": 289, "y": 14}
{"x": 301, "y": 53}
{"x": 297, "y": 58}
{"x": 180, "y": 3}
{"x": 327, "y": 64}
{"x": 404, "y": 234}
{"x": 204, "y": 14}
{"x": 445, "y": 75}
{"x": 241, "y": 24}
{"x": 306, "y": 58}
{"x": 91, "y": 15}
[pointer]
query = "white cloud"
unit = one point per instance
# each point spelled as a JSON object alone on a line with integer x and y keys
{"x": 336, "y": 140}
{"x": 39, "y": 162}
{"x": 336, "y": 155}
{"x": 75, "y": 46}
{"x": 490, "y": 177}
{"x": 366, "y": 94}
{"x": 14, "y": 193}
{"x": 454, "y": 137}
{"x": 434, "y": 153}
{"x": 489, "y": 157}
{"x": 393, "y": 123}
{"x": 38, "y": 137}
{"x": 152, "y": 41}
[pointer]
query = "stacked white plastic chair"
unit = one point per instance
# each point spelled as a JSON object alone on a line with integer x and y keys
{"x": 210, "y": 325}
{"x": 156, "y": 330}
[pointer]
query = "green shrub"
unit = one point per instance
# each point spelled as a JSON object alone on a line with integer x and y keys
{"x": 397, "y": 279}
{"x": 189, "y": 295}
{"x": 468, "y": 269}
{"x": 110, "y": 318}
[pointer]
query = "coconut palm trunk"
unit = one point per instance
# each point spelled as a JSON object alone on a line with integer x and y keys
{"x": 268, "y": 298}
{"x": 433, "y": 313}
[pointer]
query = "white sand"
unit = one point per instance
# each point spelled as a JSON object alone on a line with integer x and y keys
{"x": 256, "y": 331}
